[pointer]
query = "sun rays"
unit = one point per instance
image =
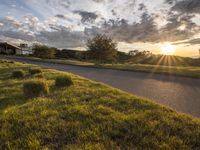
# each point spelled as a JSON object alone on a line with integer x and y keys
{"x": 168, "y": 49}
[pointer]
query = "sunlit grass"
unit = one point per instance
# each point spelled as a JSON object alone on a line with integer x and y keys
{"x": 169, "y": 65}
{"x": 87, "y": 115}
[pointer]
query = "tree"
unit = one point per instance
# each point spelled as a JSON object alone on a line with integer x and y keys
{"x": 102, "y": 49}
{"x": 43, "y": 51}
{"x": 139, "y": 53}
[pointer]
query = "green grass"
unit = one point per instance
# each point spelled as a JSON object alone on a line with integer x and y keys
{"x": 186, "y": 70}
{"x": 59, "y": 61}
{"x": 87, "y": 115}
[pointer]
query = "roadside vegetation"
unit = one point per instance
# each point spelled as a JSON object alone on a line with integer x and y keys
{"x": 186, "y": 71}
{"x": 35, "y": 88}
{"x": 42, "y": 51}
{"x": 18, "y": 74}
{"x": 63, "y": 81}
{"x": 102, "y": 52}
{"x": 85, "y": 115}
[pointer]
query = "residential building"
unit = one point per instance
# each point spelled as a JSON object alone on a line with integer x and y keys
{"x": 10, "y": 49}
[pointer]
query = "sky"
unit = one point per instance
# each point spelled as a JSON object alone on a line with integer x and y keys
{"x": 134, "y": 24}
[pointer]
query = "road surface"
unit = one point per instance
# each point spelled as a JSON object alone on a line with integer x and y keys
{"x": 180, "y": 93}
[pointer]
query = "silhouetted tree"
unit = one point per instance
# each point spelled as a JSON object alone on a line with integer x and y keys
{"x": 102, "y": 48}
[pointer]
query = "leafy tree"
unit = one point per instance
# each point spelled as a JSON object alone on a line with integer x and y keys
{"x": 102, "y": 48}
{"x": 43, "y": 51}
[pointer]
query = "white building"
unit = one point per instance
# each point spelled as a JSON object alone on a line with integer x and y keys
{"x": 25, "y": 49}
{"x": 10, "y": 49}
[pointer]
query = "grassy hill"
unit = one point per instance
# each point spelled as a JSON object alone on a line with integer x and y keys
{"x": 87, "y": 115}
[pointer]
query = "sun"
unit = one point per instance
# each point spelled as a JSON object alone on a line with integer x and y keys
{"x": 168, "y": 49}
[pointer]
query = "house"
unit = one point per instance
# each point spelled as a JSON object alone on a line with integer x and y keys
{"x": 10, "y": 49}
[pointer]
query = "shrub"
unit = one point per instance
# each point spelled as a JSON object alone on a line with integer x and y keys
{"x": 63, "y": 81}
{"x": 39, "y": 75}
{"x": 35, "y": 71}
{"x": 43, "y": 51}
{"x": 18, "y": 74}
{"x": 35, "y": 88}
{"x": 11, "y": 62}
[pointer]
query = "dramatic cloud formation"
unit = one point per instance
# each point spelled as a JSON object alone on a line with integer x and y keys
{"x": 120, "y": 30}
{"x": 69, "y": 23}
{"x": 187, "y": 6}
{"x": 63, "y": 37}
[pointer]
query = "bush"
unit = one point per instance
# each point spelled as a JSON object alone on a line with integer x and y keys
{"x": 43, "y": 51}
{"x": 38, "y": 75}
{"x": 18, "y": 74}
{"x": 63, "y": 81}
{"x": 11, "y": 62}
{"x": 35, "y": 71}
{"x": 35, "y": 88}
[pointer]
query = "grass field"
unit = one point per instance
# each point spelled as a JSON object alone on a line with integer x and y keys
{"x": 187, "y": 71}
{"x": 87, "y": 115}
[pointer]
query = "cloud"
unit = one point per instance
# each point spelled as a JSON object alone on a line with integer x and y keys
{"x": 62, "y": 37}
{"x": 18, "y": 35}
{"x": 69, "y": 23}
{"x": 87, "y": 17}
{"x": 101, "y": 1}
{"x": 48, "y": 32}
{"x": 195, "y": 41}
{"x": 179, "y": 27}
{"x": 98, "y": 1}
{"x": 142, "y": 7}
{"x": 185, "y": 6}
{"x": 120, "y": 30}
{"x": 61, "y": 16}
{"x": 15, "y": 29}
{"x": 113, "y": 12}
{"x": 147, "y": 30}
{"x": 63, "y": 3}
{"x": 10, "y": 22}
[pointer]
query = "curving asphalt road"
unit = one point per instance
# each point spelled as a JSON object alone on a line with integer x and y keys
{"x": 180, "y": 93}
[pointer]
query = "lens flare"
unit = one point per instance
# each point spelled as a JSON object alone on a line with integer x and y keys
{"x": 168, "y": 49}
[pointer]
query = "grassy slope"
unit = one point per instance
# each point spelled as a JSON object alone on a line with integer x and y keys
{"x": 88, "y": 115}
{"x": 188, "y": 71}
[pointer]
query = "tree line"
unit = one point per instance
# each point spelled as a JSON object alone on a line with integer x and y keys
{"x": 103, "y": 49}
{"x": 100, "y": 48}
